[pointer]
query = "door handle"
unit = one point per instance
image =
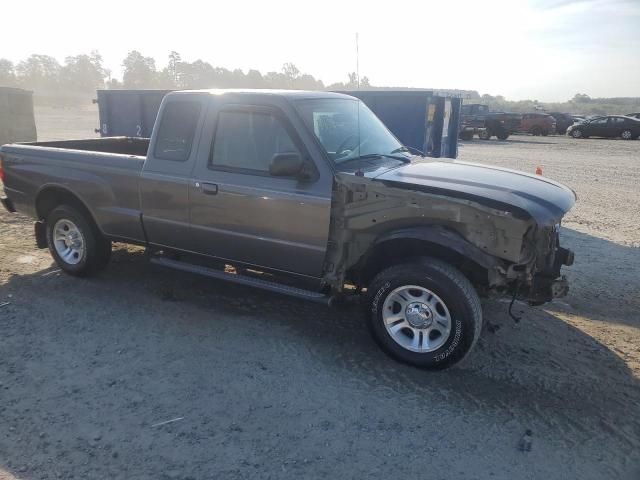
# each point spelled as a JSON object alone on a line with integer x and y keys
{"x": 207, "y": 188}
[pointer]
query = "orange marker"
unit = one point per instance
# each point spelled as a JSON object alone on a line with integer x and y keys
{"x": 538, "y": 170}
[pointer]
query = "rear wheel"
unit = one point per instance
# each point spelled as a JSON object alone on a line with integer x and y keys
{"x": 466, "y": 135}
{"x": 424, "y": 313}
{"x": 485, "y": 134}
{"x": 627, "y": 135}
{"x": 536, "y": 131}
{"x": 503, "y": 135}
{"x": 75, "y": 243}
{"x": 577, "y": 133}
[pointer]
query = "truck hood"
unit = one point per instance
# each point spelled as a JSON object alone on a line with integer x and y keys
{"x": 520, "y": 193}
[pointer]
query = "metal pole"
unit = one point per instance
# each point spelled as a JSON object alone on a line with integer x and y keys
{"x": 357, "y": 62}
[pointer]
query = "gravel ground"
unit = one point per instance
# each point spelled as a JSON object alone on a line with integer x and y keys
{"x": 260, "y": 385}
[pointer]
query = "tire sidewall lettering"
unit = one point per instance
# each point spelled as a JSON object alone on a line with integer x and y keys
{"x": 454, "y": 343}
{"x": 379, "y": 295}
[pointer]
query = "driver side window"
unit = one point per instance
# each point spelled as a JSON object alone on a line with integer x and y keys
{"x": 247, "y": 141}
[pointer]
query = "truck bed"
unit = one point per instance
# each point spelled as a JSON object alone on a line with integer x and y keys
{"x": 103, "y": 172}
{"x": 118, "y": 145}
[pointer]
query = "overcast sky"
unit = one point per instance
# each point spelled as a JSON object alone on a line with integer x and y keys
{"x": 539, "y": 49}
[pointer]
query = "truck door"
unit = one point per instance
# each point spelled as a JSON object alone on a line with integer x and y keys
{"x": 240, "y": 212}
{"x": 164, "y": 183}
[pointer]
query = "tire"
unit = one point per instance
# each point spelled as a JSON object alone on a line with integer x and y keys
{"x": 536, "y": 131}
{"x": 577, "y": 133}
{"x": 544, "y": 132}
{"x": 396, "y": 313}
{"x": 485, "y": 134}
{"x": 503, "y": 135}
{"x": 466, "y": 135}
{"x": 75, "y": 242}
{"x": 627, "y": 135}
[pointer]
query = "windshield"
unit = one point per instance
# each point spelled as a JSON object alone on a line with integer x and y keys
{"x": 348, "y": 130}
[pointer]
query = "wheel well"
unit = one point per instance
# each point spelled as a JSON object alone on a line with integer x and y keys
{"x": 395, "y": 251}
{"x": 52, "y": 197}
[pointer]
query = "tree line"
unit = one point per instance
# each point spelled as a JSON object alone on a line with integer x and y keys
{"x": 83, "y": 74}
{"x": 581, "y": 104}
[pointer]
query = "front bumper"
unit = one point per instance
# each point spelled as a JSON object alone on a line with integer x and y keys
{"x": 7, "y": 204}
{"x": 549, "y": 284}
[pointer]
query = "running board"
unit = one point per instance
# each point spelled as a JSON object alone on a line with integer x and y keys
{"x": 244, "y": 280}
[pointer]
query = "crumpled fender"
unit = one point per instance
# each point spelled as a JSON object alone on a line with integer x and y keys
{"x": 445, "y": 237}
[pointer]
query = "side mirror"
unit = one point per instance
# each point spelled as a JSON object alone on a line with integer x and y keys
{"x": 286, "y": 165}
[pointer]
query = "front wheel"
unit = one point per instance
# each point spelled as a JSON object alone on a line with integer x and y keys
{"x": 577, "y": 133}
{"x": 424, "y": 313}
{"x": 75, "y": 242}
{"x": 627, "y": 135}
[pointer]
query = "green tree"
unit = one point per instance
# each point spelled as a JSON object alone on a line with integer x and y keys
{"x": 291, "y": 72}
{"x": 197, "y": 74}
{"x": 238, "y": 79}
{"x": 307, "y": 82}
{"x": 39, "y": 73}
{"x": 83, "y": 73}
{"x": 173, "y": 69}
{"x": 139, "y": 71}
{"x": 353, "y": 80}
{"x": 276, "y": 80}
{"x": 254, "y": 79}
{"x": 581, "y": 98}
{"x": 7, "y": 73}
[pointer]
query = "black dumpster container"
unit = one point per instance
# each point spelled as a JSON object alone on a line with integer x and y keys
{"x": 129, "y": 113}
{"x": 17, "y": 122}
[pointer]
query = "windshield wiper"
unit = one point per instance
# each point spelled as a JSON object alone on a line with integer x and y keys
{"x": 403, "y": 148}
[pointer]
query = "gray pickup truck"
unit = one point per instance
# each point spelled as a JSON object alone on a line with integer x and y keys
{"x": 306, "y": 194}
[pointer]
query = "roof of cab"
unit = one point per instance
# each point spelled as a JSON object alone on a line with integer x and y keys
{"x": 293, "y": 94}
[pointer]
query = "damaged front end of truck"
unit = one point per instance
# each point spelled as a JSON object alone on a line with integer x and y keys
{"x": 505, "y": 239}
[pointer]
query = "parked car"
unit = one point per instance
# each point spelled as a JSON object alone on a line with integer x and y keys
{"x": 306, "y": 194}
{"x": 563, "y": 121}
{"x": 611, "y": 126}
{"x": 633, "y": 115}
{"x": 478, "y": 119}
{"x": 537, "y": 124}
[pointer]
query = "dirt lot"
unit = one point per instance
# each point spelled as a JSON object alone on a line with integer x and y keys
{"x": 264, "y": 386}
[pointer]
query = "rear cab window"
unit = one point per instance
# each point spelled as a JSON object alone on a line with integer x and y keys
{"x": 177, "y": 130}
